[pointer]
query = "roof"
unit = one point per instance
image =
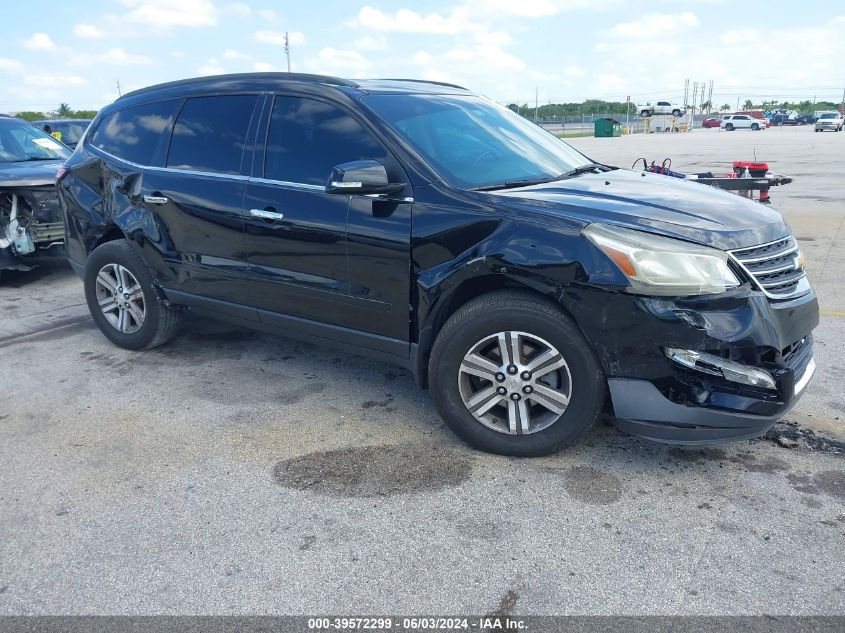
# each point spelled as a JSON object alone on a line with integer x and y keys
{"x": 62, "y": 121}
{"x": 273, "y": 80}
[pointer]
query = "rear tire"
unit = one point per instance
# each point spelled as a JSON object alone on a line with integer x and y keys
{"x": 676, "y": 113}
{"x": 529, "y": 329}
{"x": 645, "y": 114}
{"x": 729, "y": 127}
{"x": 122, "y": 300}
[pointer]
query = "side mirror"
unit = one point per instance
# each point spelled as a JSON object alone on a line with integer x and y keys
{"x": 361, "y": 176}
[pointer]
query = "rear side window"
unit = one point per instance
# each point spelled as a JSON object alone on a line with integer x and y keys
{"x": 308, "y": 137}
{"x": 210, "y": 134}
{"x": 136, "y": 133}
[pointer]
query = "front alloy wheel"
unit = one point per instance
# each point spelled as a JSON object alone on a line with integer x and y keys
{"x": 121, "y": 298}
{"x": 515, "y": 383}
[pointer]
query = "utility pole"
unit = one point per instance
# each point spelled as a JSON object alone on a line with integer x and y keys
{"x": 843, "y": 100}
{"x": 536, "y": 103}
{"x": 710, "y": 98}
{"x": 119, "y": 94}
{"x": 686, "y": 93}
{"x": 287, "y": 49}
{"x": 737, "y": 103}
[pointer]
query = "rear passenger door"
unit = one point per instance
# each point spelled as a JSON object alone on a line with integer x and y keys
{"x": 198, "y": 197}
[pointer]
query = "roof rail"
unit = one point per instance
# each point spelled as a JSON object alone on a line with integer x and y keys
{"x": 423, "y": 81}
{"x": 279, "y": 76}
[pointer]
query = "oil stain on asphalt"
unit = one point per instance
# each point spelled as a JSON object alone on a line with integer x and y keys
{"x": 591, "y": 485}
{"x": 375, "y": 471}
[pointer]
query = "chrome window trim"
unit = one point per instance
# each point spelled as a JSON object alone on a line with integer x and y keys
{"x": 170, "y": 170}
{"x": 286, "y": 183}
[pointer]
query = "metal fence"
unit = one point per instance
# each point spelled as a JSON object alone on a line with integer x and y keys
{"x": 584, "y": 123}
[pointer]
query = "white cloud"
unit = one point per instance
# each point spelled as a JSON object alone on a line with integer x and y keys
{"x": 10, "y": 65}
{"x": 39, "y": 42}
{"x": 264, "y": 67}
{"x": 166, "y": 14}
{"x": 653, "y": 24}
{"x": 268, "y": 15}
{"x": 238, "y": 9}
{"x": 574, "y": 71}
{"x": 87, "y": 31}
{"x": 407, "y": 21}
{"x": 51, "y": 81}
{"x": 278, "y": 37}
{"x": 211, "y": 67}
{"x": 120, "y": 57}
{"x": 370, "y": 43}
{"x": 422, "y": 57}
{"x": 333, "y": 61}
{"x": 233, "y": 54}
{"x": 522, "y": 8}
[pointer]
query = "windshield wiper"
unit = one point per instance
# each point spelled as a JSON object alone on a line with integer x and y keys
{"x": 512, "y": 184}
{"x": 28, "y": 158}
{"x": 584, "y": 169}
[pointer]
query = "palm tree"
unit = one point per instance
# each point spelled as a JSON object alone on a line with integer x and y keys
{"x": 64, "y": 111}
{"x": 726, "y": 107}
{"x": 749, "y": 104}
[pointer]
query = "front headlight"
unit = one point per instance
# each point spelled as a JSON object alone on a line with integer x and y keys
{"x": 661, "y": 265}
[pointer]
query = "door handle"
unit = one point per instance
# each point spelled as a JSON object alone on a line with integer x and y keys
{"x": 265, "y": 214}
{"x": 155, "y": 199}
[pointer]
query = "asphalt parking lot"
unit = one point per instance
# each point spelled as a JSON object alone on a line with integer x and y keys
{"x": 236, "y": 472}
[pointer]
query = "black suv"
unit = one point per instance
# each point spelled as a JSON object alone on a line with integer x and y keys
{"x": 421, "y": 224}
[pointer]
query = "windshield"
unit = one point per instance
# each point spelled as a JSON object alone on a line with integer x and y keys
{"x": 830, "y": 116}
{"x": 69, "y": 132}
{"x": 21, "y": 141}
{"x": 472, "y": 142}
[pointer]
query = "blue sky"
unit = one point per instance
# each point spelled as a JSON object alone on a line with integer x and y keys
{"x": 568, "y": 50}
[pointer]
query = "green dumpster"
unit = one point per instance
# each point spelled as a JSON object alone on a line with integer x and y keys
{"x": 605, "y": 128}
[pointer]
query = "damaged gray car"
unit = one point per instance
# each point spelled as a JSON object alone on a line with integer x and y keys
{"x": 30, "y": 217}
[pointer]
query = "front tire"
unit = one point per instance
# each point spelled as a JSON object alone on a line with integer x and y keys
{"x": 755, "y": 127}
{"x": 645, "y": 114}
{"x": 729, "y": 127}
{"x": 510, "y": 373}
{"x": 122, "y": 300}
{"x": 676, "y": 113}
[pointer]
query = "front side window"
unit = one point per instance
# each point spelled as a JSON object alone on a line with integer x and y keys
{"x": 308, "y": 137}
{"x": 21, "y": 141}
{"x": 135, "y": 133}
{"x": 473, "y": 142}
{"x": 210, "y": 134}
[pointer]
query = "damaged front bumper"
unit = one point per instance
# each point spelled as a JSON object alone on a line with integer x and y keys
{"x": 706, "y": 370}
{"x": 30, "y": 221}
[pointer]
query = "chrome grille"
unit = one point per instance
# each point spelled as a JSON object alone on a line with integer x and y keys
{"x": 774, "y": 268}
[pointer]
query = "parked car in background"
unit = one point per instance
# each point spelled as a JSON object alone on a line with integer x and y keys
{"x": 832, "y": 121}
{"x": 757, "y": 114}
{"x": 30, "y": 218}
{"x": 661, "y": 107}
{"x": 807, "y": 119}
{"x": 711, "y": 122}
{"x": 68, "y": 131}
{"x": 421, "y": 224}
{"x": 785, "y": 118}
{"x": 731, "y": 122}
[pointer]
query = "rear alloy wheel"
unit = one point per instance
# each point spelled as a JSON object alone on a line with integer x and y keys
{"x": 645, "y": 114}
{"x": 123, "y": 301}
{"x": 120, "y": 298}
{"x": 676, "y": 113}
{"x": 729, "y": 127}
{"x": 510, "y": 373}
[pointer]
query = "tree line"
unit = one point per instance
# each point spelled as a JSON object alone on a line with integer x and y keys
{"x": 64, "y": 111}
{"x": 551, "y": 111}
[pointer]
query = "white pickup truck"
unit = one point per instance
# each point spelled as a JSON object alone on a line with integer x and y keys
{"x": 661, "y": 107}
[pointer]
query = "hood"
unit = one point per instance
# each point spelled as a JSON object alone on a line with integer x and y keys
{"x": 674, "y": 207}
{"x": 31, "y": 173}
